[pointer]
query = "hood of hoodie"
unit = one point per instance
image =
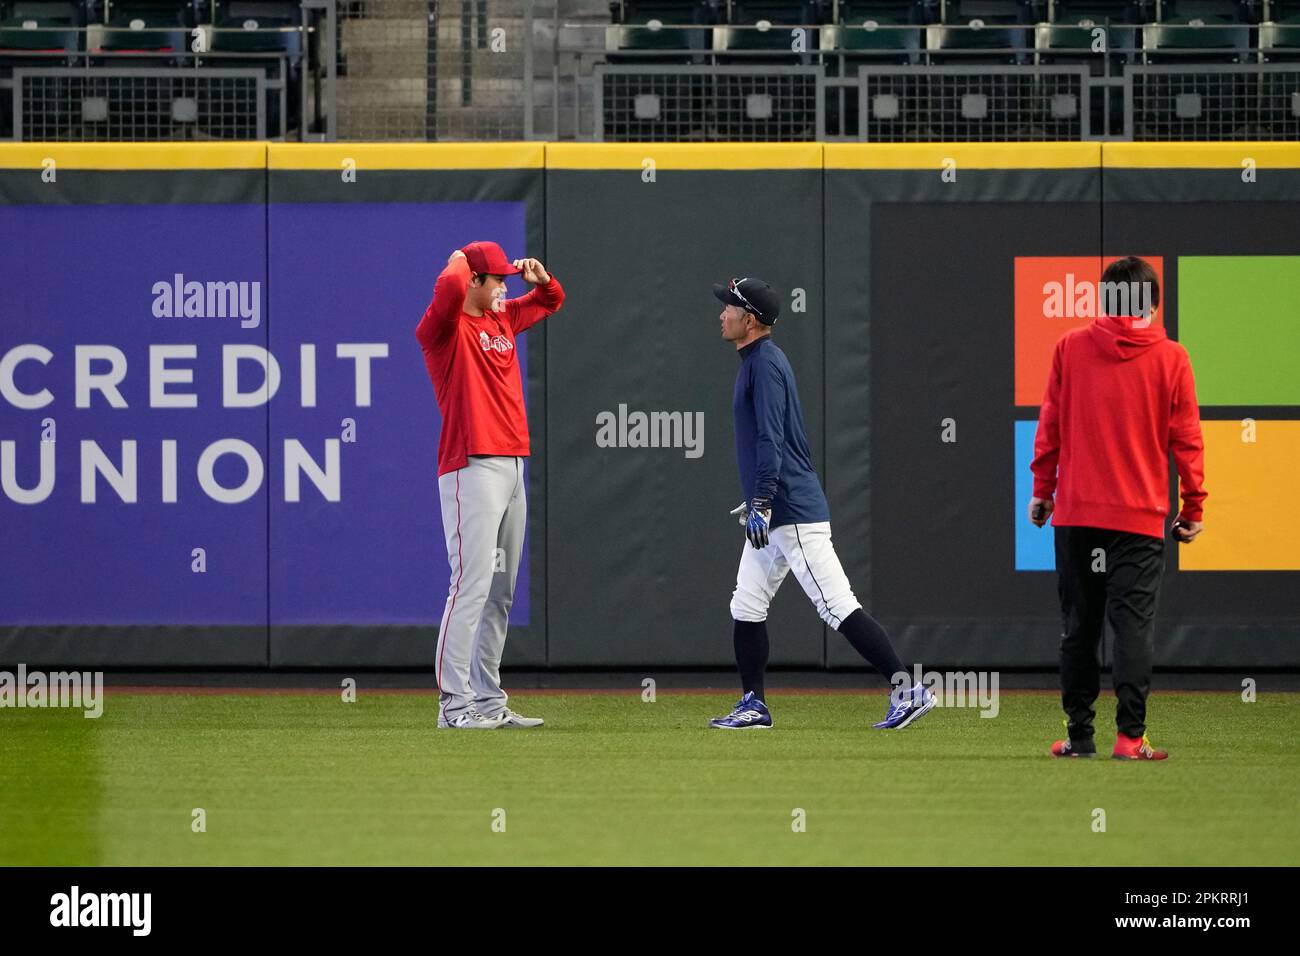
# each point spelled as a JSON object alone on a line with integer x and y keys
{"x": 1117, "y": 336}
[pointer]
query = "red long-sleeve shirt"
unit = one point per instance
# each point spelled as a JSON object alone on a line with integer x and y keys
{"x": 474, "y": 369}
{"x": 1119, "y": 401}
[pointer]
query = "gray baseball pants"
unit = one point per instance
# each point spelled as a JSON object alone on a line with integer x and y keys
{"x": 484, "y": 511}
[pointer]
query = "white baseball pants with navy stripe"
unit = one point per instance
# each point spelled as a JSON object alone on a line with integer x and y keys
{"x": 484, "y": 511}
{"x": 806, "y": 550}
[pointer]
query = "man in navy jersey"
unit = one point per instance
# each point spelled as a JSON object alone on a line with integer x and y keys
{"x": 787, "y": 522}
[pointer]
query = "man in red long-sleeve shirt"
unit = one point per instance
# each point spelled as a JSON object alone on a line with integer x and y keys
{"x": 1120, "y": 399}
{"x": 468, "y": 337}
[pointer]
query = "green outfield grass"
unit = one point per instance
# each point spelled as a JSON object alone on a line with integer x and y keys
{"x": 307, "y": 779}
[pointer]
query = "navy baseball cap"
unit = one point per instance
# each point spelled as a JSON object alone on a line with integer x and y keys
{"x": 752, "y": 295}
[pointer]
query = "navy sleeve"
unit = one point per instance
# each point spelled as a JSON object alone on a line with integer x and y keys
{"x": 769, "y": 419}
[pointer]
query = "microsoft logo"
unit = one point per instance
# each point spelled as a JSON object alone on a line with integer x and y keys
{"x": 1239, "y": 319}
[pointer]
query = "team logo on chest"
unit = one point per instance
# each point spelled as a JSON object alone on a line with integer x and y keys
{"x": 494, "y": 343}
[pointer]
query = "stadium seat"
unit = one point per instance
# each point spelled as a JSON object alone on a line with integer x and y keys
{"x": 1067, "y": 34}
{"x": 1228, "y": 11}
{"x": 989, "y": 31}
{"x": 639, "y": 25}
{"x": 155, "y": 26}
{"x": 856, "y": 30}
{"x": 250, "y": 16}
{"x": 1209, "y": 31}
{"x": 779, "y": 16}
{"x": 41, "y": 25}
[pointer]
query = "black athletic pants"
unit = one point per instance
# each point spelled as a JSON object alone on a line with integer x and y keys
{"x": 1107, "y": 575}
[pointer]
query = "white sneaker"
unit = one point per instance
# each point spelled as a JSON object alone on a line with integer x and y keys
{"x": 509, "y": 718}
{"x": 470, "y": 719}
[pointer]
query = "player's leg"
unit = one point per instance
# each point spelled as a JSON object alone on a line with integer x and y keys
{"x": 474, "y": 500}
{"x": 817, "y": 567}
{"x": 812, "y": 558}
{"x": 758, "y": 577}
{"x": 1081, "y": 587}
{"x": 485, "y": 662}
{"x": 1134, "y": 565}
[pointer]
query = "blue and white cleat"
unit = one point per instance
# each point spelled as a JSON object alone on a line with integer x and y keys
{"x": 750, "y": 713}
{"x": 907, "y": 707}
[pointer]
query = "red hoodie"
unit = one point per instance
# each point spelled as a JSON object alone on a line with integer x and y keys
{"x": 475, "y": 372}
{"x": 1119, "y": 400}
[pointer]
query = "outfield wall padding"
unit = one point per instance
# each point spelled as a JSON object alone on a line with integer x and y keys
{"x": 912, "y": 316}
{"x": 641, "y": 536}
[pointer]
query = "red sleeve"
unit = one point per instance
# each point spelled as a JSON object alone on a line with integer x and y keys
{"x": 1186, "y": 444}
{"x": 1047, "y": 442}
{"x": 527, "y": 310}
{"x": 439, "y": 319}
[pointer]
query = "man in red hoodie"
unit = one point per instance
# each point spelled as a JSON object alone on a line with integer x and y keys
{"x": 1120, "y": 399}
{"x": 468, "y": 337}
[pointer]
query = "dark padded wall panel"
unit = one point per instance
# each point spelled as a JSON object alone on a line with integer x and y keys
{"x": 641, "y": 550}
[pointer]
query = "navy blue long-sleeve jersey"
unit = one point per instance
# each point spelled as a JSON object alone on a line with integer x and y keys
{"x": 771, "y": 441}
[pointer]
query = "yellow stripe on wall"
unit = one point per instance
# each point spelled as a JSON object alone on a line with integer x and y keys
{"x": 330, "y": 156}
{"x": 124, "y": 156}
{"x": 1199, "y": 155}
{"x": 631, "y": 156}
{"x": 1249, "y": 485}
{"x": 966, "y": 155}
{"x": 678, "y": 156}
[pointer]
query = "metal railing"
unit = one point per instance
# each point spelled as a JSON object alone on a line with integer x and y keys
{"x": 425, "y": 70}
{"x": 898, "y": 83}
{"x": 172, "y": 83}
{"x": 138, "y": 104}
{"x": 656, "y": 102}
{"x": 1212, "y": 102}
{"x": 973, "y": 103}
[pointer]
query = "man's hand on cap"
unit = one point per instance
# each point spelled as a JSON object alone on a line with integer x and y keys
{"x": 533, "y": 271}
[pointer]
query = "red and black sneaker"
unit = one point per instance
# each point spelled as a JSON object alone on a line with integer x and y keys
{"x": 1136, "y": 748}
{"x": 1074, "y": 748}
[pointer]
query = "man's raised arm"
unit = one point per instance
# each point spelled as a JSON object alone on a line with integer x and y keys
{"x": 544, "y": 299}
{"x": 439, "y": 319}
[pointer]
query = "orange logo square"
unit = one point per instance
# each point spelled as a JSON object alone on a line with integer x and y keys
{"x": 1053, "y": 295}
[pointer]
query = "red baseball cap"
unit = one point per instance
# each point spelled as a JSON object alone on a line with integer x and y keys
{"x": 487, "y": 258}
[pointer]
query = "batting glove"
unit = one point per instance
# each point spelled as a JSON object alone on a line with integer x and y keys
{"x": 741, "y": 510}
{"x": 760, "y": 514}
